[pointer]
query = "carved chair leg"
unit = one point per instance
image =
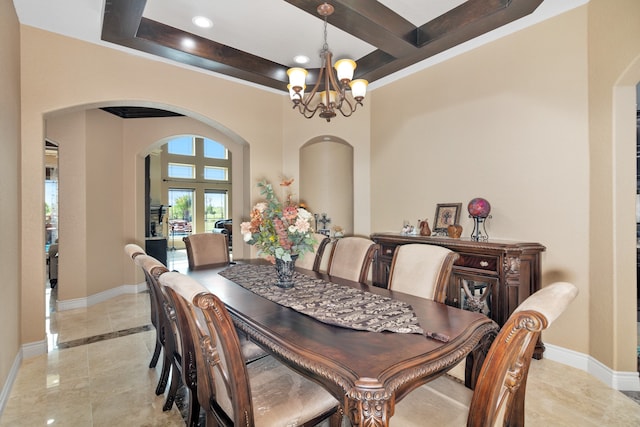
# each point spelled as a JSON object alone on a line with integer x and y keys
{"x": 173, "y": 388}
{"x": 194, "y": 410}
{"x": 164, "y": 375}
{"x": 156, "y": 354}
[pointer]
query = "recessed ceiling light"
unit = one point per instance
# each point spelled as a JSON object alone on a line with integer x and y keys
{"x": 202, "y": 22}
{"x": 188, "y": 43}
{"x": 301, "y": 59}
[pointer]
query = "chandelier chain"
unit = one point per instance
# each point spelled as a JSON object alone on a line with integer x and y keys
{"x": 325, "y": 46}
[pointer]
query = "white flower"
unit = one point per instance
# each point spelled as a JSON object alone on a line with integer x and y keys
{"x": 304, "y": 214}
{"x": 260, "y": 207}
{"x": 246, "y": 237}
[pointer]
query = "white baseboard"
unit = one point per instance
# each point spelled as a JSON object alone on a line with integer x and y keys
{"x": 8, "y": 385}
{"x": 617, "y": 380}
{"x": 100, "y": 297}
{"x": 33, "y": 349}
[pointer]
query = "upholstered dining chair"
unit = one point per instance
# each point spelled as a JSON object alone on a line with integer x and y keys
{"x": 206, "y": 250}
{"x": 233, "y": 393}
{"x": 325, "y": 256}
{"x": 422, "y": 270}
{"x": 351, "y": 258}
{"x": 311, "y": 260}
{"x": 498, "y": 398}
{"x": 166, "y": 333}
{"x": 133, "y": 250}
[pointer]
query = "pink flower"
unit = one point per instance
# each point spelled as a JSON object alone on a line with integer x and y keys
{"x": 302, "y": 225}
{"x": 290, "y": 212}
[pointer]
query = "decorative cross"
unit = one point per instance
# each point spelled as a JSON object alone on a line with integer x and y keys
{"x": 324, "y": 220}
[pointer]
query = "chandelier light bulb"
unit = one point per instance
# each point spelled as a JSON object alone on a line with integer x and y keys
{"x": 358, "y": 88}
{"x": 345, "y": 69}
{"x": 297, "y": 76}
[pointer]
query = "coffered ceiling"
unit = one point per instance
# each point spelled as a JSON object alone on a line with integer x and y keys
{"x": 255, "y": 41}
{"x": 381, "y": 39}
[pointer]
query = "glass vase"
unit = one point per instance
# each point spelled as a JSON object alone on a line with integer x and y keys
{"x": 284, "y": 271}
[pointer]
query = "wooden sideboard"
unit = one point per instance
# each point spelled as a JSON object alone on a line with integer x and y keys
{"x": 499, "y": 273}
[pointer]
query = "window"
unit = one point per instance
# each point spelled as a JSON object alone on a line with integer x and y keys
{"x": 215, "y": 208}
{"x": 214, "y": 150}
{"x": 180, "y": 211}
{"x": 183, "y": 146}
{"x": 195, "y": 175}
{"x": 215, "y": 173}
{"x": 177, "y": 170}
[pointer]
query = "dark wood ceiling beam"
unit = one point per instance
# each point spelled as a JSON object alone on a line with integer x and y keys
{"x": 466, "y": 22}
{"x": 369, "y": 21}
{"x": 399, "y": 44}
{"x": 221, "y": 58}
{"x": 123, "y": 24}
{"x": 121, "y": 19}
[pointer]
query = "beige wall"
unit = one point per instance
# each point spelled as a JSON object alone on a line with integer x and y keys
{"x": 9, "y": 191}
{"x": 524, "y": 121}
{"x": 514, "y": 122}
{"x": 70, "y": 132}
{"x": 508, "y": 122}
{"x": 614, "y": 71}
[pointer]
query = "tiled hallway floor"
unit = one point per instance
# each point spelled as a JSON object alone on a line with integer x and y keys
{"x": 96, "y": 374}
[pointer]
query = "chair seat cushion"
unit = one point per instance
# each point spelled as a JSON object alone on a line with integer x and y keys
{"x": 443, "y": 401}
{"x": 282, "y": 397}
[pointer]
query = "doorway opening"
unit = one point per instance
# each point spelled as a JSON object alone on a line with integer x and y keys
{"x": 51, "y": 230}
{"x": 189, "y": 191}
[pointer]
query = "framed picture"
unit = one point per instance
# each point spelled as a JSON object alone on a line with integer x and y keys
{"x": 446, "y": 214}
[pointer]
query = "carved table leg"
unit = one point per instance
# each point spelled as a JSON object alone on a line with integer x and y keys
{"x": 370, "y": 406}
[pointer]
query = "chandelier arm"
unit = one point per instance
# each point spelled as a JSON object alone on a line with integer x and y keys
{"x": 331, "y": 76}
{"x": 308, "y": 98}
{"x": 351, "y": 108}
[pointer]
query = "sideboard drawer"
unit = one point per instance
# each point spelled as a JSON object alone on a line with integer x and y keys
{"x": 387, "y": 250}
{"x": 480, "y": 262}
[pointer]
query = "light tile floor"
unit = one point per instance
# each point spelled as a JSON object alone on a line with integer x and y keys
{"x": 96, "y": 374}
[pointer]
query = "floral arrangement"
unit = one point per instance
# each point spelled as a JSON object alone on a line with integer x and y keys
{"x": 278, "y": 230}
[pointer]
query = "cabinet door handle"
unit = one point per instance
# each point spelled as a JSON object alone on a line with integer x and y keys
{"x": 484, "y": 264}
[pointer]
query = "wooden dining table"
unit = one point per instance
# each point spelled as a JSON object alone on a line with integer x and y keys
{"x": 366, "y": 371}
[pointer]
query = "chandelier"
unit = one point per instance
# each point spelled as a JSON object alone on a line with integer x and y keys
{"x": 334, "y": 96}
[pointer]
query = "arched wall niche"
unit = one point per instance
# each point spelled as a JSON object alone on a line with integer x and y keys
{"x": 326, "y": 180}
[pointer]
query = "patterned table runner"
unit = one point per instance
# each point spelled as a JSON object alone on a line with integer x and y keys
{"x": 328, "y": 302}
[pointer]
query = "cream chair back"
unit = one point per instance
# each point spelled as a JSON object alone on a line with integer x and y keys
{"x": 311, "y": 260}
{"x": 422, "y": 270}
{"x": 206, "y": 250}
{"x": 351, "y": 258}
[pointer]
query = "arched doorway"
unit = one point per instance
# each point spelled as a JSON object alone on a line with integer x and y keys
{"x": 102, "y": 193}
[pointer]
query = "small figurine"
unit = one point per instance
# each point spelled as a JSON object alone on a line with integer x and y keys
{"x": 424, "y": 228}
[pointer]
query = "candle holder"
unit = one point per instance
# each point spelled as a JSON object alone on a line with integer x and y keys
{"x": 479, "y": 209}
{"x": 479, "y": 233}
